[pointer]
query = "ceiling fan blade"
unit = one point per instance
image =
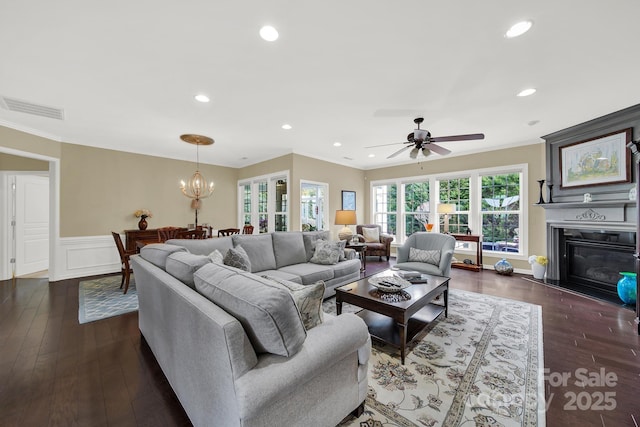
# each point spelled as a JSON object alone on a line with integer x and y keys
{"x": 414, "y": 153}
{"x": 440, "y": 150}
{"x": 386, "y": 145}
{"x": 457, "y": 137}
{"x": 399, "y": 151}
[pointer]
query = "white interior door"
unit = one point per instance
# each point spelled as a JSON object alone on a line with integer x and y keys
{"x": 31, "y": 224}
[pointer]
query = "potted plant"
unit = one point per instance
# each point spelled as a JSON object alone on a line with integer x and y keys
{"x": 539, "y": 265}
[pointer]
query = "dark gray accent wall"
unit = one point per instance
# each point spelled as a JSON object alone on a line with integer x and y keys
{"x": 623, "y": 119}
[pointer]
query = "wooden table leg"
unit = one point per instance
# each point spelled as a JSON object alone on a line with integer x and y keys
{"x": 446, "y": 302}
{"x": 338, "y": 307}
{"x": 402, "y": 329}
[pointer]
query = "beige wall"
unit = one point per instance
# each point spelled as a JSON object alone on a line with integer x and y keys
{"x": 100, "y": 190}
{"x": 9, "y": 162}
{"x": 533, "y": 155}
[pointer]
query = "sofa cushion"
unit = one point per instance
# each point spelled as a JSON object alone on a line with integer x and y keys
{"x": 371, "y": 235}
{"x": 308, "y": 299}
{"x": 238, "y": 258}
{"x": 182, "y": 266}
{"x": 267, "y": 312}
{"x": 310, "y": 238}
{"x": 281, "y": 274}
{"x": 421, "y": 255}
{"x": 288, "y": 248}
{"x": 157, "y": 253}
{"x": 260, "y": 250}
{"x": 309, "y": 273}
{"x": 326, "y": 252}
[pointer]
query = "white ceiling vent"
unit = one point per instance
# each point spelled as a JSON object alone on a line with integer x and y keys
{"x": 20, "y": 106}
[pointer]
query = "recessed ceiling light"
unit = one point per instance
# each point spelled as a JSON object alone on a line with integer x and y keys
{"x": 337, "y": 144}
{"x": 371, "y": 155}
{"x": 527, "y": 92}
{"x": 533, "y": 122}
{"x": 269, "y": 33}
{"x": 201, "y": 98}
{"x": 286, "y": 126}
{"x": 518, "y": 29}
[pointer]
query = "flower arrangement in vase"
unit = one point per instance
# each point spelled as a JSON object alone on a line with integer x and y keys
{"x": 539, "y": 265}
{"x": 143, "y": 214}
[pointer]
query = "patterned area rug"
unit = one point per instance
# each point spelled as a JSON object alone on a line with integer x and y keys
{"x": 102, "y": 298}
{"x": 481, "y": 366}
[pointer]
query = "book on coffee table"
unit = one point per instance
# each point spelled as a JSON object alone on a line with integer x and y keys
{"x": 408, "y": 274}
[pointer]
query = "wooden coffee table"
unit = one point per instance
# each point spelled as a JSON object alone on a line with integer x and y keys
{"x": 396, "y": 323}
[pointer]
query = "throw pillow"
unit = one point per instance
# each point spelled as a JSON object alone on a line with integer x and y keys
{"x": 326, "y": 253}
{"x": 216, "y": 257}
{"x": 308, "y": 299}
{"x": 343, "y": 245}
{"x": 182, "y": 265}
{"x": 371, "y": 235}
{"x": 421, "y": 255}
{"x": 237, "y": 257}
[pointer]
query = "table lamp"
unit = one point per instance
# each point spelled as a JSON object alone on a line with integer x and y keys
{"x": 446, "y": 209}
{"x": 345, "y": 218}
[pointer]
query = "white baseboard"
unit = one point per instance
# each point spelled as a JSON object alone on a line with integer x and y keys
{"x": 86, "y": 256}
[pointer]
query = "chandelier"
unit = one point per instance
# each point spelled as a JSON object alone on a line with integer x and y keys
{"x": 197, "y": 187}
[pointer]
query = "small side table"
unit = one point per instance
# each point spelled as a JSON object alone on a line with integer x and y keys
{"x": 361, "y": 249}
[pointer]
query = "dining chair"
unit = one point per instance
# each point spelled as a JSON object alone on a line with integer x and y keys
{"x": 166, "y": 233}
{"x": 247, "y": 229}
{"x": 124, "y": 261}
{"x": 228, "y": 231}
{"x": 192, "y": 234}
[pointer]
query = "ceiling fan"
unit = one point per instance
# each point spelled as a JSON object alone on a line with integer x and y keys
{"x": 421, "y": 140}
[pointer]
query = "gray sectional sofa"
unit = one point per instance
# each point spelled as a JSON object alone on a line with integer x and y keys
{"x": 285, "y": 255}
{"x": 250, "y": 363}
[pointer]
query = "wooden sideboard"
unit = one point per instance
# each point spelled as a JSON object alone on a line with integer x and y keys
{"x": 477, "y": 239}
{"x": 131, "y": 236}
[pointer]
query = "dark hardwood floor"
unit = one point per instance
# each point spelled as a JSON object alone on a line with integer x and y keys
{"x": 54, "y": 371}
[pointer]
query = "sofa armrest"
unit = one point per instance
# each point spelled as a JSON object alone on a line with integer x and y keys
{"x": 349, "y": 253}
{"x": 331, "y": 342}
{"x": 402, "y": 253}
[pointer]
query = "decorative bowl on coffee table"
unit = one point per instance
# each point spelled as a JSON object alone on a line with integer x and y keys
{"x": 389, "y": 283}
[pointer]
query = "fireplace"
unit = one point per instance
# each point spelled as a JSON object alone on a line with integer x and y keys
{"x": 591, "y": 260}
{"x": 589, "y": 244}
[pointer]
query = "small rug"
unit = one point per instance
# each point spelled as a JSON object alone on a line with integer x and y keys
{"x": 481, "y": 366}
{"x": 102, "y": 298}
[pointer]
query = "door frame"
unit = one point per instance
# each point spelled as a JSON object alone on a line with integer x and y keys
{"x": 54, "y": 212}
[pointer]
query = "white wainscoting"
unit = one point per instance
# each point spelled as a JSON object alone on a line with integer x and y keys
{"x": 86, "y": 256}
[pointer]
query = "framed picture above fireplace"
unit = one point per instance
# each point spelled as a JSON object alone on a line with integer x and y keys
{"x": 601, "y": 160}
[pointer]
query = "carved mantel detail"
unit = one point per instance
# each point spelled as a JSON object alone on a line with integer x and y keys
{"x": 590, "y": 215}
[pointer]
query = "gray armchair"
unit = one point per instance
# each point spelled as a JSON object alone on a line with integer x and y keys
{"x": 443, "y": 243}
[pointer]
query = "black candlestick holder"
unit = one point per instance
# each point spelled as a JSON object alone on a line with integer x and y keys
{"x": 541, "y": 182}
{"x": 550, "y": 200}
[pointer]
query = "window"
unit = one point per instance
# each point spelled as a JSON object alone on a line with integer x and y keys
{"x": 500, "y": 212}
{"x": 263, "y": 202}
{"x": 416, "y": 207}
{"x": 488, "y": 202}
{"x": 385, "y": 199}
{"x": 456, "y": 191}
{"x": 313, "y": 206}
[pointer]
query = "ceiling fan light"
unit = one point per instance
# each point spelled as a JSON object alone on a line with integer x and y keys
{"x": 420, "y": 134}
{"x": 426, "y": 152}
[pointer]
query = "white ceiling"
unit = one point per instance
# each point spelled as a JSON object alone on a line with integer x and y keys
{"x": 353, "y": 71}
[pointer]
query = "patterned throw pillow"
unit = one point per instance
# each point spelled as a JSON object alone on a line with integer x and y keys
{"x": 371, "y": 235}
{"x": 308, "y": 299}
{"x": 216, "y": 257}
{"x": 237, "y": 257}
{"x": 326, "y": 252}
{"x": 421, "y": 255}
